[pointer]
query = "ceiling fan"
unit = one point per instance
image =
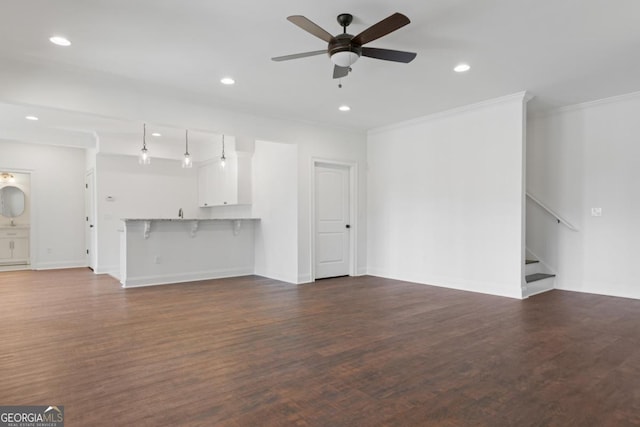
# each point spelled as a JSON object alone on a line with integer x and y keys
{"x": 345, "y": 49}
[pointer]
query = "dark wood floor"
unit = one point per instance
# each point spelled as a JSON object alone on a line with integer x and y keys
{"x": 341, "y": 352}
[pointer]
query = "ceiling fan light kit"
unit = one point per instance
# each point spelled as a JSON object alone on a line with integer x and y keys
{"x": 345, "y": 49}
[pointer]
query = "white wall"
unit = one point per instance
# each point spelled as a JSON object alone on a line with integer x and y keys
{"x": 578, "y": 158}
{"x": 275, "y": 202}
{"x": 57, "y": 200}
{"x": 158, "y": 190}
{"x": 445, "y": 199}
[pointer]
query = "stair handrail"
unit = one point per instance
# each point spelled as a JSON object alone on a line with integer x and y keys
{"x": 553, "y": 213}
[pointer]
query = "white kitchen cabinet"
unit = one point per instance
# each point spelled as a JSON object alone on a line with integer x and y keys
{"x": 14, "y": 246}
{"x": 231, "y": 185}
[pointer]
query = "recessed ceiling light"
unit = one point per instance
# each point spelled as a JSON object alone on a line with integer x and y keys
{"x": 34, "y": 118}
{"x": 156, "y": 134}
{"x": 344, "y": 108}
{"x": 227, "y": 81}
{"x": 60, "y": 41}
{"x": 461, "y": 68}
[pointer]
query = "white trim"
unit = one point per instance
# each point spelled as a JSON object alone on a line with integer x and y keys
{"x": 182, "y": 278}
{"x": 60, "y": 265}
{"x": 111, "y": 270}
{"x": 523, "y": 96}
{"x": 595, "y": 289}
{"x": 352, "y": 166}
{"x": 32, "y": 214}
{"x": 93, "y": 208}
{"x": 488, "y": 288}
{"x": 586, "y": 105}
{"x": 304, "y": 278}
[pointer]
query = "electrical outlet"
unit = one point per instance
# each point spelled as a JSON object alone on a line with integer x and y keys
{"x": 596, "y": 211}
{"x": 157, "y": 260}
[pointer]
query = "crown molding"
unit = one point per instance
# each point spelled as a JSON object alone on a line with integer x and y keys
{"x": 523, "y": 96}
{"x": 587, "y": 104}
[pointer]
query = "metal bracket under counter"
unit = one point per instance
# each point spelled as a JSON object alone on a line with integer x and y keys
{"x": 236, "y": 224}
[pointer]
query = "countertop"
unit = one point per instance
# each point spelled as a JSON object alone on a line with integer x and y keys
{"x": 190, "y": 219}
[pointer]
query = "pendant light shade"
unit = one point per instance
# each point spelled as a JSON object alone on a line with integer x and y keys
{"x": 223, "y": 159}
{"x": 186, "y": 160}
{"x": 143, "y": 157}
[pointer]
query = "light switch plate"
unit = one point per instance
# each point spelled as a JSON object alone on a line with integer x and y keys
{"x": 596, "y": 211}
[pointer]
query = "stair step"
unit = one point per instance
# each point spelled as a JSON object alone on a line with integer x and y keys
{"x": 531, "y": 261}
{"x": 538, "y": 276}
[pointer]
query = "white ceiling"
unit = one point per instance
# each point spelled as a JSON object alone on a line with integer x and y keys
{"x": 562, "y": 51}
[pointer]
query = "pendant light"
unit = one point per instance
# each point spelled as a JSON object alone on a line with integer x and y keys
{"x": 143, "y": 157}
{"x": 223, "y": 159}
{"x": 186, "y": 160}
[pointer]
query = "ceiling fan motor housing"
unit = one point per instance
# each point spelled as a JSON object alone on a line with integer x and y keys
{"x": 342, "y": 52}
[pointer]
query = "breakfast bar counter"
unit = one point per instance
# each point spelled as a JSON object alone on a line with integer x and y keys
{"x": 156, "y": 251}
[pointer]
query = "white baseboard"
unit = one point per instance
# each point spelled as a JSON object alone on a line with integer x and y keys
{"x": 60, "y": 265}
{"x": 136, "y": 282}
{"x": 305, "y": 278}
{"x": 444, "y": 282}
{"x": 111, "y": 270}
{"x": 276, "y": 276}
{"x": 597, "y": 289}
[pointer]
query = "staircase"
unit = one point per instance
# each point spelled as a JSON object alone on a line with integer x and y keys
{"x": 537, "y": 280}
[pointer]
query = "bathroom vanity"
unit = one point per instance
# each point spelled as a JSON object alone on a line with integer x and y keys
{"x": 14, "y": 237}
{"x": 14, "y": 245}
{"x": 156, "y": 251}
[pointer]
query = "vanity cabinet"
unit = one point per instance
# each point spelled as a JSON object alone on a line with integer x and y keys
{"x": 228, "y": 185}
{"x": 14, "y": 246}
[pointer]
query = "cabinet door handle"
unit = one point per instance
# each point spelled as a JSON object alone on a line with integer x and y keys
{"x": 11, "y": 244}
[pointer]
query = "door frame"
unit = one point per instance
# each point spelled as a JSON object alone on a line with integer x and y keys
{"x": 33, "y": 226}
{"x": 352, "y": 167}
{"x": 90, "y": 209}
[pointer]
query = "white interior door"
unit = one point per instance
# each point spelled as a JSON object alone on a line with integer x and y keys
{"x": 332, "y": 239}
{"x": 90, "y": 231}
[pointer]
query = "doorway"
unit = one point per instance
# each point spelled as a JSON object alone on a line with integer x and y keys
{"x": 334, "y": 216}
{"x": 15, "y": 220}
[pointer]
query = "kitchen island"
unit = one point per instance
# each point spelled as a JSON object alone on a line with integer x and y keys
{"x": 158, "y": 251}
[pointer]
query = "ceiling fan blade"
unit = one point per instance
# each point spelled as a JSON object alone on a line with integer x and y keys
{"x": 310, "y": 27}
{"x": 299, "y": 55}
{"x": 388, "y": 54}
{"x": 339, "y": 72}
{"x": 382, "y": 28}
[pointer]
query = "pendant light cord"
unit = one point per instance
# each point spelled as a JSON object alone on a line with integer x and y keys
{"x": 144, "y": 136}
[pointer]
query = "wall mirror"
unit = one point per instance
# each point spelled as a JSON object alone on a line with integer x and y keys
{"x": 11, "y": 201}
